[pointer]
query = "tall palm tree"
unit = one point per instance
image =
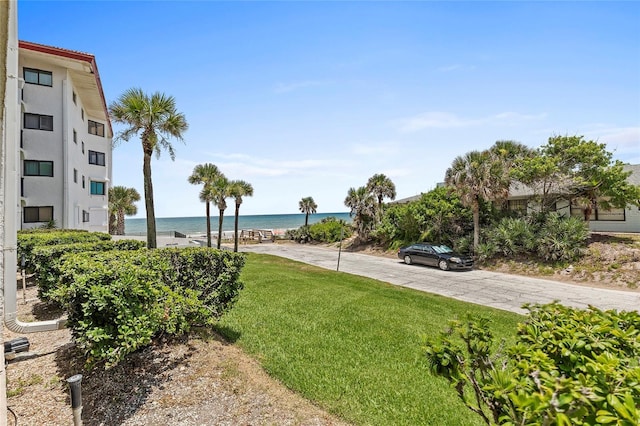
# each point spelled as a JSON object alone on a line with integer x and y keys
{"x": 218, "y": 192}
{"x": 307, "y": 206}
{"x": 155, "y": 118}
{"x": 205, "y": 174}
{"x": 381, "y": 186}
{"x": 121, "y": 203}
{"x": 363, "y": 208}
{"x": 237, "y": 190}
{"x": 478, "y": 176}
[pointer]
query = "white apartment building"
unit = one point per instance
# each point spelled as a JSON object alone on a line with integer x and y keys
{"x": 65, "y": 140}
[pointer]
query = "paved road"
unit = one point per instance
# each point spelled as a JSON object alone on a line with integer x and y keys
{"x": 502, "y": 291}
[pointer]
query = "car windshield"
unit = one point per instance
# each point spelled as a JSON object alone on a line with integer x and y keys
{"x": 442, "y": 249}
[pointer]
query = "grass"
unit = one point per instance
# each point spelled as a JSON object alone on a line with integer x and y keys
{"x": 351, "y": 344}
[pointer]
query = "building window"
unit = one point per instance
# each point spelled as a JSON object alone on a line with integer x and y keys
{"x": 96, "y": 128}
{"x": 38, "y": 121}
{"x": 22, "y": 187}
{"x": 97, "y": 188}
{"x": 85, "y": 216}
{"x": 518, "y": 205}
{"x": 73, "y": 96}
{"x": 38, "y": 214}
{"x": 83, "y": 181}
{"x": 75, "y": 175}
{"x": 75, "y": 136}
{"x": 34, "y": 76}
{"x": 83, "y": 147}
{"x": 38, "y": 168}
{"x": 82, "y": 113}
{"x": 96, "y": 158}
{"x": 599, "y": 214}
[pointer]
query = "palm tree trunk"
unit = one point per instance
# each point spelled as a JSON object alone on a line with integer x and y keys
{"x": 208, "y": 225}
{"x": 112, "y": 223}
{"x": 148, "y": 200}
{"x": 476, "y": 227}
{"x": 220, "y": 219}
{"x": 120, "y": 225}
{"x": 235, "y": 229}
{"x": 306, "y": 220}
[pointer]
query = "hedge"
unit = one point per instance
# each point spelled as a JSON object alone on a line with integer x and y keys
{"x": 45, "y": 260}
{"x": 118, "y": 301}
{"x": 28, "y": 240}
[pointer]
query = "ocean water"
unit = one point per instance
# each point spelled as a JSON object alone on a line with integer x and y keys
{"x": 198, "y": 225}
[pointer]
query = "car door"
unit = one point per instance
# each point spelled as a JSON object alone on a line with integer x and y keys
{"x": 429, "y": 256}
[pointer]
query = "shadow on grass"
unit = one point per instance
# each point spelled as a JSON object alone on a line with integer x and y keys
{"x": 227, "y": 333}
{"x": 111, "y": 396}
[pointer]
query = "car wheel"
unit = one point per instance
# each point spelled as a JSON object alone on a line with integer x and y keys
{"x": 443, "y": 265}
{"x": 407, "y": 260}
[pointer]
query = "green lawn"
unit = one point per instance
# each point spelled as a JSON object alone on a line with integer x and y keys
{"x": 350, "y": 344}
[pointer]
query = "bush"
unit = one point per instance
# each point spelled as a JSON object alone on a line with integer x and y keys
{"x": 118, "y": 301}
{"x": 562, "y": 239}
{"x": 45, "y": 260}
{"x": 513, "y": 237}
{"x": 300, "y": 235}
{"x": 29, "y": 239}
{"x": 567, "y": 367}
{"x": 329, "y": 230}
{"x": 438, "y": 217}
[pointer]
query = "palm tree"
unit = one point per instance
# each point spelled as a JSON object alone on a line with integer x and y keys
{"x": 155, "y": 118}
{"x": 477, "y": 177}
{"x": 307, "y": 206}
{"x": 381, "y": 186}
{"x": 121, "y": 203}
{"x": 239, "y": 189}
{"x": 218, "y": 192}
{"x": 363, "y": 208}
{"x": 205, "y": 174}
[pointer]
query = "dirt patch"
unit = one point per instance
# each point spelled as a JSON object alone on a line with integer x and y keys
{"x": 199, "y": 380}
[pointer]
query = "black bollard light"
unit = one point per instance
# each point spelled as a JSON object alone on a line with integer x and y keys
{"x": 75, "y": 385}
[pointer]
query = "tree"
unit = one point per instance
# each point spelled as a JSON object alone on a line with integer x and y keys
{"x": 381, "y": 186}
{"x": 237, "y": 190}
{"x": 307, "y": 206}
{"x": 218, "y": 191}
{"x": 579, "y": 170}
{"x": 363, "y": 208}
{"x": 155, "y": 118}
{"x": 205, "y": 174}
{"x": 477, "y": 177}
{"x": 121, "y": 203}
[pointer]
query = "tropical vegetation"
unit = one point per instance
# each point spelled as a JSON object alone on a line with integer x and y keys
{"x": 121, "y": 202}
{"x": 568, "y": 366}
{"x": 156, "y": 120}
{"x": 205, "y": 174}
{"x": 381, "y": 187}
{"x": 237, "y": 190}
{"x": 307, "y": 206}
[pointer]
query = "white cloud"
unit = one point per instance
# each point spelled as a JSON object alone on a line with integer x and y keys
{"x": 446, "y": 120}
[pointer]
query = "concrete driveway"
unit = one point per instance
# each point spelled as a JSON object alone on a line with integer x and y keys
{"x": 502, "y": 291}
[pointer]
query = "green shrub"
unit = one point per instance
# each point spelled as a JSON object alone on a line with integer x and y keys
{"x": 45, "y": 260}
{"x": 567, "y": 367}
{"x": 329, "y": 230}
{"x": 28, "y": 239}
{"x": 562, "y": 238}
{"x": 513, "y": 236}
{"x": 117, "y": 301}
{"x": 300, "y": 235}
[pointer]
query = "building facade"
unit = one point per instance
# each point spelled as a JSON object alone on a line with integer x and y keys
{"x": 65, "y": 142}
{"x": 624, "y": 220}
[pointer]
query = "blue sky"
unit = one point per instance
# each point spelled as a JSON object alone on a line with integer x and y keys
{"x": 312, "y": 98}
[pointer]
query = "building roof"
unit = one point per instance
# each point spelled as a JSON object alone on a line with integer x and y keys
{"x": 85, "y": 75}
{"x": 519, "y": 190}
{"x": 406, "y": 200}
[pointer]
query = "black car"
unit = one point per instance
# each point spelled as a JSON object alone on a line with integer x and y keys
{"x": 434, "y": 255}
